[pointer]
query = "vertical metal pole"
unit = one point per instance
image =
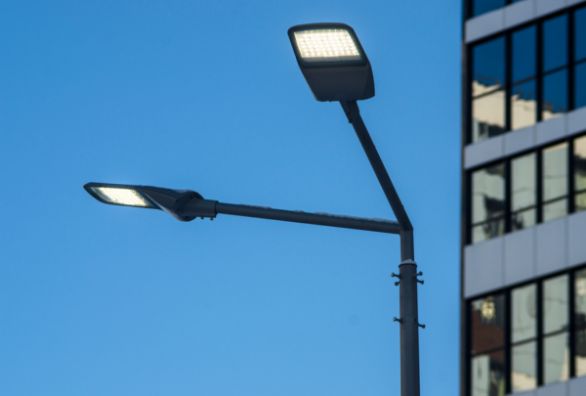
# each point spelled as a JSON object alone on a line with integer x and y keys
{"x": 409, "y": 329}
{"x": 408, "y": 274}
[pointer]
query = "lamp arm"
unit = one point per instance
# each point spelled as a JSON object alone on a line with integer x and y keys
{"x": 353, "y": 114}
{"x": 209, "y": 209}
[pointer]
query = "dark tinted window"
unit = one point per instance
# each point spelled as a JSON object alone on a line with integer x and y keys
{"x": 555, "y": 52}
{"x": 580, "y": 35}
{"x": 488, "y": 71}
{"x": 524, "y": 54}
{"x": 555, "y": 94}
{"x": 580, "y": 87}
{"x": 483, "y": 6}
{"x": 523, "y": 105}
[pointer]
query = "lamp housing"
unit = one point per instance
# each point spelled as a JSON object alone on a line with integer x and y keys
{"x": 332, "y": 61}
{"x": 184, "y": 205}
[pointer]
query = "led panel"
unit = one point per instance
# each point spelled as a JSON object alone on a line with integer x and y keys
{"x": 326, "y": 44}
{"x": 121, "y": 196}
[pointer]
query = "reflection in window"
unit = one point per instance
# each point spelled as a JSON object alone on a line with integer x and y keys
{"x": 580, "y": 296}
{"x": 580, "y": 34}
{"x": 556, "y": 354}
{"x": 488, "y": 202}
{"x": 523, "y": 192}
{"x": 488, "y": 116}
{"x": 555, "y": 181}
{"x": 580, "y": 173}
{"x": 523, "y": 313}
{"x": 523, "y": 105}
{"x": 524, "y": 367}
{"x": 488, "y": 71}
{"x": 580, "y": 353}
{"x": 488, "y": 374}
{"x": 555, "y": 52}
{"x": 556, "y": 358}
{"x": 580, "y": 321}
{"x": 580, "y": 85}
{"x": 555, "y": 94}
{"x": 524, "y": 54}
{"x": 488, "y": 323}
{"x": 555, "y": 304}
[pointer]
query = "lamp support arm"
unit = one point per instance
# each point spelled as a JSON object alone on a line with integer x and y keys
{"x": 352, "y": 112}
{"x": 209, "y": 209}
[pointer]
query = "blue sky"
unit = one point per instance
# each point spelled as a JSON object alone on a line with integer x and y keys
{"x": 100, "y": 300}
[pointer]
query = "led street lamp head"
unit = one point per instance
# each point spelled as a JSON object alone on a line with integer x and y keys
{"x": 184, "y": 205}
{"x": 332, "y": 61}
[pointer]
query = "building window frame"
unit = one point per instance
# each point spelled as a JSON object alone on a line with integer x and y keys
{"x": 569, "y": 196}
{"x": 570, "y": 65}
{"x": 541, "y": 335}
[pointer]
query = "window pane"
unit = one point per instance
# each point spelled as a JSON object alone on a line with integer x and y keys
{"x": 489, "y": 229}
{"x": 524, "y": 105}
{"x": 555, "y": 209}
{"x": 523, "y": 191}
{"x": 555, "y": 52}
{"x": 556, "y": 358}
{"x": 580, "y": 296}
{"x": 580, "y": 172}
{"x": 488, "y": 116}
{"x": 483, "y": 6}
{"x": 488, "y": 193}
{"x": 580, "y": 86}
{"x": 523, "y": 315}
{"x": 524, "y": 54}
{"x": 555, "y": 304}
{"x": 488, "y": 374}
{"x": 488, "y": 71}
{"x": 580, "y": 35}
{"x": 487, "y": 319}
{"x": 524, "y": 370}
{"x": 581, "y": 353}
{"x": 555, "y": 94}
{"x": 555, "y": 181}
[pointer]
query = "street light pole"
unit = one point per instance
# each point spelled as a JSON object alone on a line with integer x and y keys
{"x": 336, "y": 69}
{"x": 408, "y": 275}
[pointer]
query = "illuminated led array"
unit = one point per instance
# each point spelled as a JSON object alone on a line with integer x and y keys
{"x": 121, "y": 196}
{"x": 326, "y": 45}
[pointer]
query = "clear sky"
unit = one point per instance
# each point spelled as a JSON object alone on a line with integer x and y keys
{"x": 106, "y": 301}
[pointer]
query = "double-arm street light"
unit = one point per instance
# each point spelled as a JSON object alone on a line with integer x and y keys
{"x": 337, "y": 69}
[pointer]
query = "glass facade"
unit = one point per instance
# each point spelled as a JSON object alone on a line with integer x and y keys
{"x": 531, "y": 333}
{"x": 521, "y": 191}
{"x": 521, "y": 338}
{"x": 527, "y": 75}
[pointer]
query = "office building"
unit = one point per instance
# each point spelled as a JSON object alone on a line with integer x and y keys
{"x": 524, "y": 198}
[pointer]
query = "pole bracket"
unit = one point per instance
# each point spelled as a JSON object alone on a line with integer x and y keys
{"x": 393, "y": 275}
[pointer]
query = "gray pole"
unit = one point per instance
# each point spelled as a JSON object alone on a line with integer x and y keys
{"x": 408, "y": 275}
